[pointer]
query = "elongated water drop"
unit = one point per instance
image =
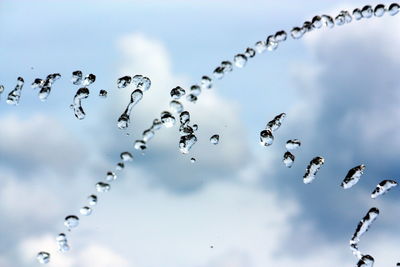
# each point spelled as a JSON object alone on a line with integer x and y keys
{"x": 71, "y": 221}
{"x": 293, "y": 144}
{"x": 123, "y": 81}
{"x": 353, "y": 176}
{"x": 81, "y": 94}
{"x": 77, "y": 77}
{"x": 186, "y": 142}
{"x": 89, "y": 79}
{"x": 383, "y": 187}
{"x": 214, "y": 139}
{"x": 102, "y": 187}
{"x": 157, "y": 124}
{"x": 274, "y": 124}
{"x": 312, "y": 169}
{"x": 43, "y": 257}
{"x": 124, "y": 119}
{"x": 288, "y": 159}
{"x": 266, "y": 137}
{"x": 62, "y": 243}
{"x": 15, "y": 95}
{"x": 147, "y": 135}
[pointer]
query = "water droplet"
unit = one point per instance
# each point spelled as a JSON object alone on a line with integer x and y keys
{"x": 316, "y": 22}
{"x": 123, "y": 81}
{"x": 340, "y": 20}
{"x": 103, "y": 93}
{"x": 214, "y": 139}
{"x": 167, "y": 119}
{"x": 288, "y": 159}
{"x": 357, "y": 14}
{"x": 124, "y": 119}
{"x": 37, "y": 83}
{"x": 62, "y": 243}
{"x": 328, "y": 21}
{"x": 266, "y": 137}
{"x": 140, "y": 145}
{"x": 379, "y": 10}
{"x": 191, "y": 98}
{"x": 250, "y": 52}
{"x": 81, "y": 94}
{"x": 353, "y": 176}
{"x": 192, "y": 160}
{"x": 102, "y": 187}
{"x": 77, "y": 77}
{"x": 126, "y": 156}
{"x": 71, "y": 221}
{"x": 186, "y": 142}
{"x": 312, "y": 169}
{"x": 206, "y": 82}
{"x": 195, "y": 90}
{"x": 157, "y": 124}
{"x": 15, "y": 95}
{"x": 120, "y": 166}
{"x": 394, "y": 9}
{"x": 366, "y": 261}
{"x": 184, "y": 118}
{"x": 110, "y": 176}
{"x": 177, "y": 92}
{"x": 226, "y": 66}
{"x": 347, "y": 16}
{"x": 195, "y": 127}
{"x": 144, "y": 84}
{"x": 147, "y": 135}
{"x": 280, "y": 36}
{"x": 185, "y": 130}
{"x": 44, "y": 93}
{"x": 383, "y": 187}
{"x": 361, "y": 229}
{"x": 92, "y": 200}
{"x": 260, "y": 46}
{"x": 43, "y": 257}
{"x": 240, "y": 60}
{"x": 218, "y": 73}
{"x": 367, "y": 12}
{"x": 307, "y": 26}
{"x": 272, "y": 44}
{"x": 293, "y": 144}
{"x": 89, "y": 79}
{"x": 86, "y": 211}
{"x": 274, "y": 124}
{"x": 297, "y": 32}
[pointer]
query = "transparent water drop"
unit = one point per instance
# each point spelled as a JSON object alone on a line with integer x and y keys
{"x": 366, "y": 261}
{"x": 157, "y": 124}
{"x": 297, "y": 32}
{"x": 218, "y": 72}
{"x": 71, "y": 221}
{"x": 260, "y": 46}
{"x": 185, "y": 130}
{"x": 102, "y": 187}
{"x": 77, "y": 77}
{"x": 103, "y": 93}
{"x": 347, "y": 16}
{"x": 316, "y": 22}
{"x": 266, "y": 137}
{"x": 214, "y": 139}
{"x": 361, "y": 229}
{"x": 383, "y": 187}
{"x": 124, "y": 81}
{"x": 147, "y": 135}
{"x": 62, "y": 243}
{"x": 353, "y": 176}
{"x": 140, "y": 145}
{"x": 15, "y": 95}
{"x": 51, "y": 78}
{"x": 81, "y": 94}
{"x": 167, "y": 119}
{"x": 1, "y": 89}
{"x": 44, "y": 93}
{"x": 280, "y": 36}
{"x": 272, "y": 44}
{"x": 192, "y": 160}
{"x": 312, "y": 169}
{"x": 195, "y": 127}
{"x": 177, "y": 92}
{"x": 206, "y": 82}
{"x": 92, "y": 200}
{"x": 191, "y": 98}
{"x": 195, "y": 90}
{"x": 226, "y": 66}
{"x": 176, "y": 106}
{"x": 86, "y": 210}
{"x": 37, "y": 83}
{"x": 240, "y": 60}
{"x": 120, "y": 166}
{"x": 186, "y": 142}
{"x": 89, "y": 79}
{"x": 110, "y": 176}
{"x": 328, "y": 21}
{"x": 144, "y": 84}
{"x": 379, "y": 10}
{"x": 367, "y": 11}
{"x": 43, "y": 257}
{"x": 126, "y": 156}
{"x": 307, "y": 26}
{"x": 292, "y": 144}
{"x": 136, "y": 80}
{"x": 357, "y": 14}
{"x": 250, "y": 52}
{"x": 184, "y": 118}
{"x": 393, "y": 9}
{"x": 288, "y": 159}
{"x": 124, "y": 119}
{"x": 276, "y": 123}
{"x": 340, "y": 20}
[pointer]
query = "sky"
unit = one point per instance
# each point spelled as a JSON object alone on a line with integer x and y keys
{"x": 237, "y": 205}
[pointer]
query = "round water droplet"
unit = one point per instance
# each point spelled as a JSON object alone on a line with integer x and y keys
{"x": 195, "y": 127}
{"x": 140, "y": 145}
{"x": 272, "y": 44}
{"x": 103, "y": 93}
{"x": 102, "y": 187}
{"x": 177, "y": 92}
{"x": 195, "y": 90}
{"x": 367, "y": 11}
{"x": 226, "y": 66}
{"x": 71, "y": 221}
{"x": 123, "y": 81}
{"x": 293, "y": 144}
{"x": 316, "y": 22}
{"x": 214, "y": 139}
{"x": 120, "y": 166}
{"x": 266, "y": 137}
{"x": 288, "y": 159}
{"x": 206, "y": 82}
{"x": 145, "y": 84}
{"x": 240, "y": 60}
{"x": 297, "y": 32}
{"x": 43, "y": 257}
{"x": 250, "y": 52}
{"x": 167, "y": 119}
{"x": 126, "y": 156}
{"x": 111, "y": 176}
{"x": 92, "y": 200}
{"x": 260, "y": 46}
{"x": 357, "y": 14}
{"x": 394, "y": 9}
{"x": 218, "y": 73}
{"x": 379, "y": 10}
{"x": 328, "y": 21}
{"x": 176, "y": 106}
{"x": 192, "y": 160}
{"x": 86, "y": 211}
{"x": 191, "y": 98}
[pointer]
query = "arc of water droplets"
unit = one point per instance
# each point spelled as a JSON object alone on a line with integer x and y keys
{"x": 240, "y": 61}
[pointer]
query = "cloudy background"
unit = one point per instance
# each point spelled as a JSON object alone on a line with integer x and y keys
{"x": 237, "y": 206}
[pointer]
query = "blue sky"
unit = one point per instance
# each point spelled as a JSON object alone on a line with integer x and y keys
{"x": 338, "y": 88}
